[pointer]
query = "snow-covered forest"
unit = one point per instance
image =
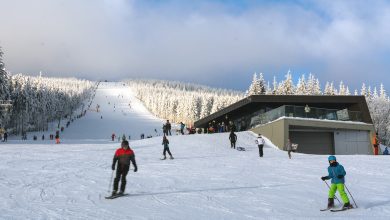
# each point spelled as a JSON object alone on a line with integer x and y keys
{"x": 188, "y": 102}
{"x": 38, "y": 100}
{"x": 182, "y": 102}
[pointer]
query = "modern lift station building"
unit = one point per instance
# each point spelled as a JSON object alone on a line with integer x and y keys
{"x": 318, "y": 124}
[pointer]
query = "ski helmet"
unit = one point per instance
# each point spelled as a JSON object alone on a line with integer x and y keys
{"x": 331, "y": 157}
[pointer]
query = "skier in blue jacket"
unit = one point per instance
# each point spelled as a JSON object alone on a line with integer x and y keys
{"x": 337, "y": 173}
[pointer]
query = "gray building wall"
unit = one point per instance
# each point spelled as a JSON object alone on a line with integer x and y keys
{"x": 348, "y": 138}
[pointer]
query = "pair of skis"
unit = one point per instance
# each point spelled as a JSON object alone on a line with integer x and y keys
{"x": 336, "y": 210}
{"x": 116, "y": 196}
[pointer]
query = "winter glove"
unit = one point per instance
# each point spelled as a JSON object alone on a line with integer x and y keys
{"x": 323, "y": 178}
{"x": 113, "y": 167}
{"x": 135, "y": 169}
{"x": 340, "y": 176}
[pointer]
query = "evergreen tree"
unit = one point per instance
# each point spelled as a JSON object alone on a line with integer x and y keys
{"x": 301, "y": 87}
{"x": 4, "y": 85}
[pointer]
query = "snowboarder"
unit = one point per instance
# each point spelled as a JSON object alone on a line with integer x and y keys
{"x": 5, "y": 137}
{"x": 289, "y": 148}
{"x": 123, "y": 156}
{"x": 166, "y": 148}
{"x": 233, "y": 139}
{"x": 168, "y": 127}
{"x": 260, "y": 143}
{"x": 337, "y": 173}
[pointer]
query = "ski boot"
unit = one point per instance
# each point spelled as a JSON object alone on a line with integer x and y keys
{"x": 113, "y": 193}
{"x": 347, "y": 206}
{"x": 120, "y": 193}
{"x": 171, "y": 157}
{"x": 164, "y": 158}
{"x": 330, "y": 203}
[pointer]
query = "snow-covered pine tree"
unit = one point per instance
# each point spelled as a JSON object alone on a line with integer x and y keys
{"x": 261, "y": 83}
{"x": 342, "y": 90}
{"x": 382, "y": 92}
{"x": 287, "y": 87}
{"x": 363, "y": 90}
{"x": 301, "y": 86}
{"x": 4, "y": 84}
{"x": 257, "y": 86}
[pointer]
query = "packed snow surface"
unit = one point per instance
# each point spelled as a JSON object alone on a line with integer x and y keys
{"x": 206, "y": 180}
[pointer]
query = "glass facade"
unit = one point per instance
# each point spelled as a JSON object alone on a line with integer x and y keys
{"x": 305, "y": 112}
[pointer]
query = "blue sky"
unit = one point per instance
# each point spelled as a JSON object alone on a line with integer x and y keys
{"x": 217, "y": 43}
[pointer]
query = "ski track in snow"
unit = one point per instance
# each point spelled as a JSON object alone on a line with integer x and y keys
{"x": 206, "y": 180}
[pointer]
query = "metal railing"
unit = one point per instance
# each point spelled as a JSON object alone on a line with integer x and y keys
{"x": 306, "y": 112}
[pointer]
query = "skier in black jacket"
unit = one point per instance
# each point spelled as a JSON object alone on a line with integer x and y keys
{"x": 233, "y": 139}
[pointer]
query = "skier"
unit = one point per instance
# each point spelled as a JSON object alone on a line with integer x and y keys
{"x": 233, "y": 139}
{"x": 166, "y": 148}
{"x": 168, "y": 126}
{"x": 57, "y": 138}
{"x": 123, "y": 137}
{"x": 289, "y": 148}
{"x": 43, "y": 137}
{"x": 5, "y": 136}
{"x": 386, "y": 151}
{"x": 182, "y": 128}
{"x": 165, "y": 131}
{"x": 336, "y": 172}
{"x": 260, "y": 143}
{"x": 113, "y": 136}
{"x": 123, "y": 156}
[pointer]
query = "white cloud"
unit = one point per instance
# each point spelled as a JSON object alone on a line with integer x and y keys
{"x": 118, "y": 39}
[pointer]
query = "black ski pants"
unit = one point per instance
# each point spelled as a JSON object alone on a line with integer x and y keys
{"x": 260, "y": 149}
{"x": 166, "y": 149}
{"x": 121, "y": 173}
{"x": 233, "y": 144}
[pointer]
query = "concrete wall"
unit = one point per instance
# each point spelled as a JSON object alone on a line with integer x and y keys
{"x": 275, "y": 131}
{"x": 278, "y": 132}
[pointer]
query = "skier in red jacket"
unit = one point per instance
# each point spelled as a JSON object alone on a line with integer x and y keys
{"x": 123, "y": 156}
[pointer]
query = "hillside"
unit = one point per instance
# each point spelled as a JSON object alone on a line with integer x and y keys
{"x": 206, "y": 180}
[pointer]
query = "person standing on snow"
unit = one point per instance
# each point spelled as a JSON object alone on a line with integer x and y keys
{"x": 57, "y": 137}
{"x": 166, "y": 148}
{"x": 169, "y": 127}
{"x": 260, "y": 143}
{"x": 182, "y": 126}
{"x": 233, "y": 139}
{"x": 122, "y": 157}
{"x": 337, "y": 173}
{"x": 113, "y": 136}
{"x": 5, "y": 137}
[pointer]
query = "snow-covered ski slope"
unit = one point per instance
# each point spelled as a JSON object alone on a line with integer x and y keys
{"x": 206, "y": 180}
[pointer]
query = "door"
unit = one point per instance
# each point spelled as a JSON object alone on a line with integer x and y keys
{"x": 313, "y": 142}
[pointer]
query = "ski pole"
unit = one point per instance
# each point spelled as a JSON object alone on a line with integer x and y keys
{"x": 109, "y": 186}
{"x": 334, "y": 195}
{"x": 351, "y": 195}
